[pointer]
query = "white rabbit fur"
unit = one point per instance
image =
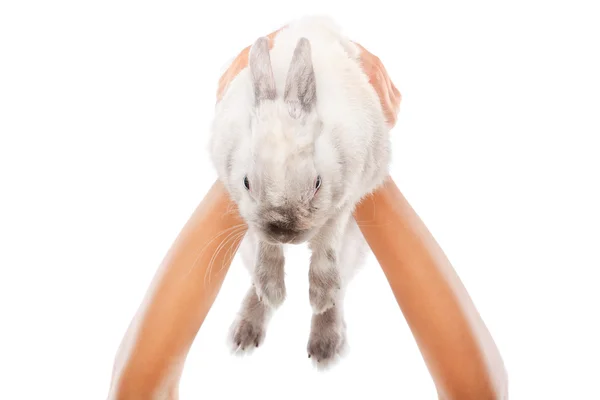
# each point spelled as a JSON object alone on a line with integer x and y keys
{"x": 265, "y": 128}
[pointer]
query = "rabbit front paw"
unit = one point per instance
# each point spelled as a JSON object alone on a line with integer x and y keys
{"x": 327, "y": 338}
{"x": 248, "y": 330}
{"x": 247, "y": 334}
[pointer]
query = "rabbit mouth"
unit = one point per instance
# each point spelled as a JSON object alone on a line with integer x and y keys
{"x": 279, "y": 236}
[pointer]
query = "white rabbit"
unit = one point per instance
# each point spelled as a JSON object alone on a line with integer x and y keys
{"x": 298, "y": 139}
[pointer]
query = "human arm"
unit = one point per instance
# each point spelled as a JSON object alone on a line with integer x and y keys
{"x": 458, "y": 349}
{"x": 150, "y": 359}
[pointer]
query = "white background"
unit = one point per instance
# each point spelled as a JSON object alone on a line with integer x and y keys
{"x": 104, "y": 110}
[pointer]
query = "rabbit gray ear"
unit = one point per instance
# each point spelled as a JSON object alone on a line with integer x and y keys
{"x": 300, "y": 87}
{"x": 261, "y": 70}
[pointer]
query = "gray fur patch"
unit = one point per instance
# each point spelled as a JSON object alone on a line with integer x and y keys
{"x": 301, "y": 87}
{"x": 330, "y": 254}
{"x": 259, "y": 62}
{"x": 285, "y": 216}
{"x": 269, "y": 274}
{"x": 324, "y": 284}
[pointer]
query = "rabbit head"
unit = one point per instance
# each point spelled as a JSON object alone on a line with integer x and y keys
{"x": 279, "y": 168}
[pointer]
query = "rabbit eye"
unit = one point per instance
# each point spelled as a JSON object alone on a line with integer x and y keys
{"x": 318, "y": 183}
{"x": 246, "y": 183}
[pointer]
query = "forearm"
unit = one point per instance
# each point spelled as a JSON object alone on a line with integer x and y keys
{"x": 457, "y": 347}
{"x": 151, "y": 357}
